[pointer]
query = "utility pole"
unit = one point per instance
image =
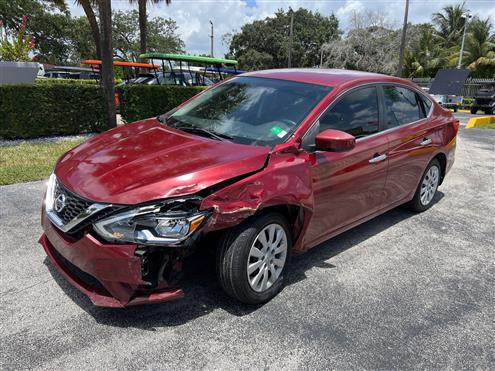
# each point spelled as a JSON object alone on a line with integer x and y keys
{"x": 466, "y": 17}
{"x": 403, "y": 40}
{"x": 211, "y": 37}
{"x": 291, "y": 38}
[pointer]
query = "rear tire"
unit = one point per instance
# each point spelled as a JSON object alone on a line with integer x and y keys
{"x": 427, "y": 188}
{"x": 252, "y": 258}
{"x": 489, "y": 112}
{"x": 473, "y": 110}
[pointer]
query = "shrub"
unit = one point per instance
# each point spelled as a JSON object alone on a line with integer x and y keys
{"x": 139, "y": 102}
{"x": 29, "y": 111}
{"x": 51, "y": 81}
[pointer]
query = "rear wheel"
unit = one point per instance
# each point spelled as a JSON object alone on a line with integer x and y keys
{"x": 427, "y": 188}
{"x": 252, "y": 258}
{"x": 489, "y": 111}
{"x": 474, "y": 110}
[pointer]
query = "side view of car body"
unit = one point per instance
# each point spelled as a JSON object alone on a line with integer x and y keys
{"x": 259, "y": 167}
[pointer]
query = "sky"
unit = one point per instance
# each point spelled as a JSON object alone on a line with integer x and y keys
{"x": 193, "y": 16}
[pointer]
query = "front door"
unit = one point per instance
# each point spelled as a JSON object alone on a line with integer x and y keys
{"x": 349, "y": 186}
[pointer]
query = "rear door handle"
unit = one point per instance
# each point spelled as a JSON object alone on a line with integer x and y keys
{"x": 377, "y": 158}
{"x": 425, "y": 142}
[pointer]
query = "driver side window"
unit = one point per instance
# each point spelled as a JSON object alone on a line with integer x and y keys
{"x": 356, "y": 113}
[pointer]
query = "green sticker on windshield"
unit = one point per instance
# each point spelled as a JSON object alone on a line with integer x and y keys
{"x": 278, "y": 131}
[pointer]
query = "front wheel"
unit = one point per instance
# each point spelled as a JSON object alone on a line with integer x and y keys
{"x": 474, "y": 110}
{"x": 427, "y": 188}
{"x": 252, "y": 258}
{"x": 489, "y": 111}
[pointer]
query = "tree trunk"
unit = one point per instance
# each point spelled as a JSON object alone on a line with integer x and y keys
{"x": 142, "y": 25}
{"x": 105, "y": 8}
{"x": 95, "y": 30}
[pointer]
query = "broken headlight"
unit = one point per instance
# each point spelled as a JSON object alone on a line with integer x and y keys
{"x": 151, "y": 224}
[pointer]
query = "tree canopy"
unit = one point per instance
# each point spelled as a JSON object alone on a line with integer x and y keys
{"x": 65, "y": 40}
{"x": 265, "y": 43}
{"x": 161, "y": 36}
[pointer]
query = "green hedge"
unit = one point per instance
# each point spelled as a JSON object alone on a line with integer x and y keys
{"x": 51, "y": 81}
{"x": 30, "y": 111}
{"x": 139, "y": 102}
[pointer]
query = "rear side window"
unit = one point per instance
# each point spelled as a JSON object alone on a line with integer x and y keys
{"x": 356, "y": 113}
{"x": 426, "y": 104}
{"x": 401, "y": 106}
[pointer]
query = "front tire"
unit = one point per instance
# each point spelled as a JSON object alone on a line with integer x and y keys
{"x": 427, "y": 188}
{"x": 474, "y": 110}
{"x": 252, "y": 258}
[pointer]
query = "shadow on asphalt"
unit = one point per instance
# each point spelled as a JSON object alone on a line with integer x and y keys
{"x": 202, "y": 293}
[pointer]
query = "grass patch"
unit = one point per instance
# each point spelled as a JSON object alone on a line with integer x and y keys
{"x": 26, "y": 162}
{"x": 487, "y": 126}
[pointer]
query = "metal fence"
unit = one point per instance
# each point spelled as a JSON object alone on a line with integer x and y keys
{"x": 470, "y": 87}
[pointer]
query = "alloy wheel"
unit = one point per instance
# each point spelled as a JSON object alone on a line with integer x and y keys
{"x": 429, "y": 185}
{"x": 267, "y": 257}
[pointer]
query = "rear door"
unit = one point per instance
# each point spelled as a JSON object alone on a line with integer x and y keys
{"x": 348, "y": 186}
{"x": 412, "y": 138}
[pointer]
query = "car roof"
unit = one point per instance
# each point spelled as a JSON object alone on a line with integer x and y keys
{"x": 323, "y": 76}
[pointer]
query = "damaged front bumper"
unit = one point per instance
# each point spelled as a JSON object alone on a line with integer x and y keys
{"x": 111, "y": 275}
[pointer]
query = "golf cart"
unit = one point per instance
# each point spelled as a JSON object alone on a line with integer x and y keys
{"x": 69, "y": 72}
{"x": 131, "y": 73}
{"x": 131, "y": 70}
{"x": 187, "y": 74}
{"x": 484, "y": 100}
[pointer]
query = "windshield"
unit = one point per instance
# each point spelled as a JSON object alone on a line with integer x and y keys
{"x": 251, "y": 110}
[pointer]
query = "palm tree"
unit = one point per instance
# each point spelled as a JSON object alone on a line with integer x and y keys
{"x": 88, "y": 6}
{"x": 142, "y": 4}
{"x": 479, "y": 54}
{"x": 105, "y": 16}
{"x": 450, "y": 23}
{"x": 427, "y": 56}
{"x": 102, "y": 34}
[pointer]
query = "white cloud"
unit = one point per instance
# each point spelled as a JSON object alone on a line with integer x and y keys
{"x": 348, "y": 8}
{"x": 193, "y": 16}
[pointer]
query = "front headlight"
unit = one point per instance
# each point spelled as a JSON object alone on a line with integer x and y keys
{"x": 150, "y": 225}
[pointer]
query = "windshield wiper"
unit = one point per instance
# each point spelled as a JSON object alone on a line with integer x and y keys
{"x": 199, "y": 130}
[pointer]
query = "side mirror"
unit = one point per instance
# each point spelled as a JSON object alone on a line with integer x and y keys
{"x": 335, "y": 141}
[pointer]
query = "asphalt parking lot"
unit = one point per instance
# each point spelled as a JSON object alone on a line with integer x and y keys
{"x": 409, "y": 291}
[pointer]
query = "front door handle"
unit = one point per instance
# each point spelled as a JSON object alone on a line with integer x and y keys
{"x": 377, "y": 158}
{"x": 425, "y": 142}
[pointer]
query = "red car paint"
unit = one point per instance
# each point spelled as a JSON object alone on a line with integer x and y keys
{"x": 111, "y": 166}
{"x": 330, "y": 192}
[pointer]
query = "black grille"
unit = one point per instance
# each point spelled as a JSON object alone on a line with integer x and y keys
{"x": 74, "y": 205}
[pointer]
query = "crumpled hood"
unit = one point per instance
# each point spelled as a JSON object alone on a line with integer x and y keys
{"x": 146, "y": 160}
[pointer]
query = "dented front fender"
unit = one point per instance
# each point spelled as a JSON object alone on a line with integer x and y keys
{"x": 286, "y": 180}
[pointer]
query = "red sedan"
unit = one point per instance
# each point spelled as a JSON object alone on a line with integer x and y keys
{"x": 267, "y": 164}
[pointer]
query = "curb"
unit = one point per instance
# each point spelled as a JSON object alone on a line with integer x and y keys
{"x": 477, "y": 122}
